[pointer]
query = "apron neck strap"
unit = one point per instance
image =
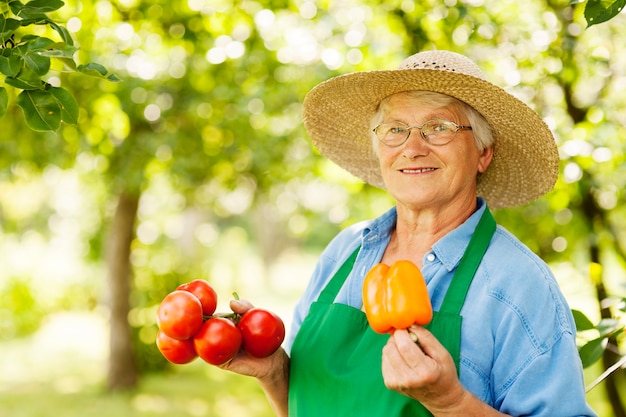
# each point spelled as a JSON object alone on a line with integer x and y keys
{"x": 332, "y": 288}
{"x": 455, "y": 296}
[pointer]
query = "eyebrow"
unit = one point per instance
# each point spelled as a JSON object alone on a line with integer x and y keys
{"x": 438, "y": 113}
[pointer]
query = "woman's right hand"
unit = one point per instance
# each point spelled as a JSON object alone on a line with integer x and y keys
{"x": 272, "y": 372}
{"x": 270, "y": 369}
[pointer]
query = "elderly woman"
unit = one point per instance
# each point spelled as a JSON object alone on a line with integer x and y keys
{"x": 445, "y": 144}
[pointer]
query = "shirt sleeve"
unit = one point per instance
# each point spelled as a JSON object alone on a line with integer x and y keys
{"x": 555, "y": 374}
{"x": 519, "y": 349}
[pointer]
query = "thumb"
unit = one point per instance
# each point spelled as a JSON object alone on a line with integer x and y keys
{"x": 240, "y": 306}
{"x": 429, "y": 344}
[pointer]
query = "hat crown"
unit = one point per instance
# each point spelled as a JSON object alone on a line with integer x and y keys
{"x": 442, "y": 61}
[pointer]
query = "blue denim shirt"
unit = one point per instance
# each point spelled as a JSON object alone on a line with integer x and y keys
{"x": 518, "y": 350}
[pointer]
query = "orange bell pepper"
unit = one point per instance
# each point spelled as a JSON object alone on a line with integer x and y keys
{"x": 396, "y": 297}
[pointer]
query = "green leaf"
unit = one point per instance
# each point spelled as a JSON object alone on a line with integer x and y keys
{"x": 36, "y": 20}
{"x": 582, "y": 322}
{"x": 42, "y": 6}
{"x": 592, "y": 351}
{"x": 607, "y": 327}
{"x": 69, "y": 63}
{"x": 68, "y": 104}
{"x": 97, "y": 70}
{"x": 93, "y": 69}
{"x": 598, "y": 11}
{"x": 11, "y": 65}
{"x": 39, "y": 64}
{"x": 59, "y": 50}
{"x": 25, "y": 80}
{"x": 4, "y": 101}
{"x": 63, "y": 32}
{"x": 36, "y": 43}
{"x": 31, "y": 50}
{"x": 16, "y": 6}
{"x": 41, "y": 110}
{"x": 7, "y": 28}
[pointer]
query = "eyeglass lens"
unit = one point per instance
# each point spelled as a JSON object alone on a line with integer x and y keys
{"x": 434, "y": 132}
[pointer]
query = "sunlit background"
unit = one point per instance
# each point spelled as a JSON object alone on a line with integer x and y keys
{"x": 203, "y": 136}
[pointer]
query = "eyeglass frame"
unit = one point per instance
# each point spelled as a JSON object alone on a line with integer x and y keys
{"x": 409, "y": 128}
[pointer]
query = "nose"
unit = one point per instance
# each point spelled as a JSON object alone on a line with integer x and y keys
{"x": 415, "y": 145}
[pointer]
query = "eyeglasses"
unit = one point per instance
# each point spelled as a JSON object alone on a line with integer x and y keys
{"x": 434, "y": 132}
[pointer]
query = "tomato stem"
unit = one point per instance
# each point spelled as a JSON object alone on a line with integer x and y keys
{"x": 226, "y": 315}
{"x": 233, "y": 316}
{"x": 235, "y": 295}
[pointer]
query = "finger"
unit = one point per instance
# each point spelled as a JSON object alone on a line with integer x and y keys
{"x": 407, "y": 340}
{"x": 390, "y": 352}
{"x": 240, "y": 306}
{"x": 410, "y": 352}
{"x": 403, "y": 363}
{"x": 392, "y": 362}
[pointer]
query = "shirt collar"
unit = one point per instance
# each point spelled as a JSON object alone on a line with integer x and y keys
{"x": 449, "y": 249}
{"x": 381, "y": 227}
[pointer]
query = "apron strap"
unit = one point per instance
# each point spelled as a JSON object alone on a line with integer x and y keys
{"x": 455, "y": 296}
{"x": 332, "y": 288}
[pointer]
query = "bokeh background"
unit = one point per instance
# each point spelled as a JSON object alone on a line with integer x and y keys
{"x": 196, "y": 165}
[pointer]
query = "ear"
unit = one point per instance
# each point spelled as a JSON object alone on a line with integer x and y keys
{"x": 485, "y": 159}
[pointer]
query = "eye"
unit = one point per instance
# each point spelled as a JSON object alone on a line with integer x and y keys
{"x": 440, "y": 127}
{"x": 397, "y": 130}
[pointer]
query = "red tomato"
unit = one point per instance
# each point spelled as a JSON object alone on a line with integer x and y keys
{"x": 205, "y": 293}
{"x": 176, "y": 351}
{"x": 262, "y": 332}
{"x": 217, "y": 341}
{"x": 180, "y": 315}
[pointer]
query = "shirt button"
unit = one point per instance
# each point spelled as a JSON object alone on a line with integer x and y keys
{"x": 430, "y": 257}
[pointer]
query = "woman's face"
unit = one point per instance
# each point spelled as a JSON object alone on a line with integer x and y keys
{"x": 420, "y": 175}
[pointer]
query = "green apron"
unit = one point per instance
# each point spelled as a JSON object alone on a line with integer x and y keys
{"x": 336, "y": 356}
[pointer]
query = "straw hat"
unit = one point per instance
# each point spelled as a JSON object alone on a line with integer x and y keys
{"x": 337, "y": 117}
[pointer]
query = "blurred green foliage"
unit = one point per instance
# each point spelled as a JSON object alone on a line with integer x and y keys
{"x": 20, "y": 311}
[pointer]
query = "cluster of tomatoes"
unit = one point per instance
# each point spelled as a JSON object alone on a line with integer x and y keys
{"x": 188, "y": 328}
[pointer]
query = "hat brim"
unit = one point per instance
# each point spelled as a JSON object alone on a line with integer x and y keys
{"x": 525, "y": 166}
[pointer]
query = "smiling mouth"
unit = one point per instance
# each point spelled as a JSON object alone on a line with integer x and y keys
{"x": 417, "y": 171}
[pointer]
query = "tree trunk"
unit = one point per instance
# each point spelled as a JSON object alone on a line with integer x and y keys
{"x": 122, "y": 373}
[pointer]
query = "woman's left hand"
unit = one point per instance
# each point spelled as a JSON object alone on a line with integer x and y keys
{"x": 423, "y": 370}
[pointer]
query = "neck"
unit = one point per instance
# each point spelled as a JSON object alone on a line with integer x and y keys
{"x": 417, "y": 230}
